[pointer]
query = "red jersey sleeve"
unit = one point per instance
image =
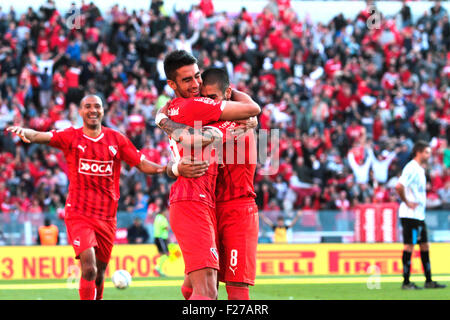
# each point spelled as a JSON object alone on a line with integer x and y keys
{"x": 61, "y": 139}
{"x": 128, "y": 151}
{"x": 207, "y": 110}
{"x": 223, "y": 127}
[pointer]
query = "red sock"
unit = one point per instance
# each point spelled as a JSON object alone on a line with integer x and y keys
{"x": 237, "y": 293}
{"x": 87, "y": 289}
{"x": 186, "y": 291}
{"x": 100, "y": 291}
{"x": 199, "y": 297}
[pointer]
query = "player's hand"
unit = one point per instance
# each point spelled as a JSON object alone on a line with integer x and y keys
{"x": 246, "y": 124}
{"x": 161, "y": 169}
{"x": 192, "y": 169}
{"x": 412, "y": 205}
{"x": 20, "y": 132}
{"x": 243, "y": 126}
{"x": 249, "y": 123}
{"x": 165, "y": 108}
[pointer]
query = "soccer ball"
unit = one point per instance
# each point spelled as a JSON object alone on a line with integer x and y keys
{"x": 121, "y": 279}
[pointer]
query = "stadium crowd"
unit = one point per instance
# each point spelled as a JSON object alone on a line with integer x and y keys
{"x": 349, "y": 99}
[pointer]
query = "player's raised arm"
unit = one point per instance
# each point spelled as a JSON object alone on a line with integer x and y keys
{"x": 31, "y": 136}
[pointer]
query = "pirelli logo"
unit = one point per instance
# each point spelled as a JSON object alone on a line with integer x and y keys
{"x": 285, "y": 262}
{"x": 95, "y": 167}
{"x": 358, "y": 262}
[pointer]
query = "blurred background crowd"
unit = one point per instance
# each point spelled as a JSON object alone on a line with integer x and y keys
{"x": 349, "y": 99}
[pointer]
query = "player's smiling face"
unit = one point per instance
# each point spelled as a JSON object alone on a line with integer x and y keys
{"x": 187, "y": 82}
{"x": 91, "y": 110}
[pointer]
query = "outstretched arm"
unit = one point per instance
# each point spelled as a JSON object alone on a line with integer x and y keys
{"x": 149, "y": 167}
{"x": 31, "y": 136}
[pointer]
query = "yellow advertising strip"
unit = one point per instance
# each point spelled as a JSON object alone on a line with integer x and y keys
{"x": 58, "y": 262}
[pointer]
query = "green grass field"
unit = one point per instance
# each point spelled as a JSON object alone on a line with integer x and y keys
{"x": 266, "y": 288}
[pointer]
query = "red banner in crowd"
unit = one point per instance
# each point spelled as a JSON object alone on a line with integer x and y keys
{"x": 376, "y": 222}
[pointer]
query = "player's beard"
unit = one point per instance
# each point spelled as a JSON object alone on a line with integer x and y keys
{"x": 93, "y": 126}
{"x": 188, "y": 93}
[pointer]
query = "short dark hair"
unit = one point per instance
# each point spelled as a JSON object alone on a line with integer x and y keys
{"x": 419, "y": 146}
{"x": 216, "y": 76}
{"x": 90, "y": 95}
{"x": 175, "y": 60}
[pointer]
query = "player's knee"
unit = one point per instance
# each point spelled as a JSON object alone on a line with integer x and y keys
{"x": 409, "y": 247}
{"x": 89, "y": 272}
{"x": 211, "y": 282}
{"x": 424, "y": 246}
{"x": 212, "y": 291}
{"x": 100, "y": 277}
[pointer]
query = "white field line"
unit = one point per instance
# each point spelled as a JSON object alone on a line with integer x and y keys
{"x": 268, "y": 281}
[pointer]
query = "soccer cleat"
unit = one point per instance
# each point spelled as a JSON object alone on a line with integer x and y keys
{"x": 159, "y": 272}
{"x": 410, "y": 286}
{"x": 434, "y": 285}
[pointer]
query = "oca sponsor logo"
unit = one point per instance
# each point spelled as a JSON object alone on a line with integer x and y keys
{"x": 95, "y": 167}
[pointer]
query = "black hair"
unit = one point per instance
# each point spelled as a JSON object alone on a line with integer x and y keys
{"x": 419, "y": 146}
{"x": 216, "y": 76}
{"x": 175, "y": 60}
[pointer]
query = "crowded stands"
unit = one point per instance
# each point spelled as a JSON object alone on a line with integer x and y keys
{"x": 349, "y": 101}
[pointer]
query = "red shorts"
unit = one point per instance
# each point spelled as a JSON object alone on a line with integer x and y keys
{"x": 194, "y": 226}
{"x": 88, "y": 232}
{"x": 238, "y": 227}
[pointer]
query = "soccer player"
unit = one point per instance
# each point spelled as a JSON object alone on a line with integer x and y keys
{"x": 411, "y": 189}
{"x": 236, "y": 210}
{"x": 192, "y": 201}
{"x": 94, "y": 154}
{"x": 161, "y": 234}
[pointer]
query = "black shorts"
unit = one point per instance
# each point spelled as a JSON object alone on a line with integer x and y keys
{"x": 414, "y": 231}
{"x": 162, "y": 245}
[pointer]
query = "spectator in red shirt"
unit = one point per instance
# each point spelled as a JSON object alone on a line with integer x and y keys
{"x": 333, "y": 66}
{"x": 207, "y": 7}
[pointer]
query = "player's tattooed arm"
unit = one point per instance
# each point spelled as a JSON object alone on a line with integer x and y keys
{"x": 182, "y": 133}
{"x": 187, "y": 135}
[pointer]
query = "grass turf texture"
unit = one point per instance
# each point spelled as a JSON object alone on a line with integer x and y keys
{"x": 267, "y": 288}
